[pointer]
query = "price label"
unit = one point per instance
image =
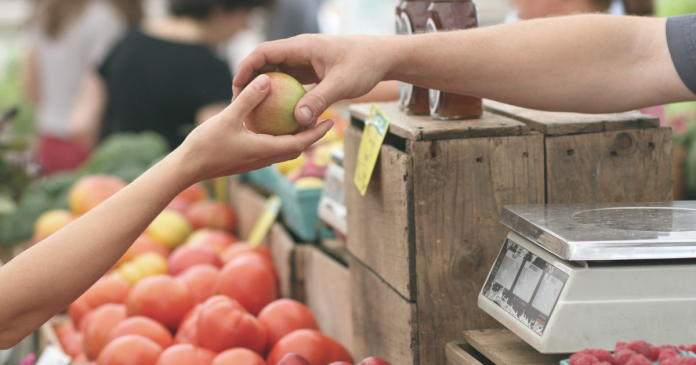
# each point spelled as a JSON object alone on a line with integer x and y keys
{"x": 376, "y": 127}
{"x": 53, "y": 356}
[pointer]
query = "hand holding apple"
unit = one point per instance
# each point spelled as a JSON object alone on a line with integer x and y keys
{"x": 223, "y": 145}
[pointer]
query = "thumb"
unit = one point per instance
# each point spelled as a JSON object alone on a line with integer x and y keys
{"x": 317, "y": 100}
{"x": 247, "y": 100}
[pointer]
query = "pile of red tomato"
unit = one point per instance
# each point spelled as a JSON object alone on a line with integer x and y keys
{"x": 217, "y": 304}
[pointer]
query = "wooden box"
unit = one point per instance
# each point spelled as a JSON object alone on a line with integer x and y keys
{"x": 326, "y": 291}
{"x": 426, "y": 233}
{"x": 598, "y": 158}
{"x": 496, "y": 346}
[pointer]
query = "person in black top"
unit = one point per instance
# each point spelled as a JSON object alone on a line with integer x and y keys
{"x": 164, "y": 77}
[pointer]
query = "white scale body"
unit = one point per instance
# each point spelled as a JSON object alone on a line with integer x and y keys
{"x": 571, "y": 277}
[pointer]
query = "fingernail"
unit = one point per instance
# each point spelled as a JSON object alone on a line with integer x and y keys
{"x": 262, "y": 82}
{"x": 306, "y": 113}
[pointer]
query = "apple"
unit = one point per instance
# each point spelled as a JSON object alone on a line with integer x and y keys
{"x": 51, "y": 222}
{"x": 214, "y": 239}
{"x": 288, "y": 166}
{"x": 91, "y": 191}
{"x": 212, "y": 214}
{"x": 169, "y": 229}
{"x": 275, "y": 115}
{"x": 185, "y": 257}
{"x": 293, "y": 359}
{"x": 309, "y": 183}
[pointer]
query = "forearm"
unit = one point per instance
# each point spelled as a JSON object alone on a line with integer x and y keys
{"x": 588, "y": 63}
{"x": 46, "y": 278}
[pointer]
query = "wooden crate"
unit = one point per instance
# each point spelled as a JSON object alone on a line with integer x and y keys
{"x": 325, "y": 285}
{"x": 496, "y": 346}
{"x": 427, "y": 230}
{"x": 306, "y": 272}
{"x": 601, "y": 158}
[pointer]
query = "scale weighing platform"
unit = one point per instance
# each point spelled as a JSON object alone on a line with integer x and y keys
{"x": 580, "y": 276}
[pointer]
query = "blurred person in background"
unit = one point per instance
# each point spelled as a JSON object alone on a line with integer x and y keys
{"x": 531, "y": 9}
{"x": 164, "y": 77}
{"x": 66, "y": 39}
{"x": 288, "y": 18}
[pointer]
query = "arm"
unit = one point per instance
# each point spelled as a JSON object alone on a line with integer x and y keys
{"x": 88, "y": 111}
{"x": 46, "y": 278}
{"x": 30, "y": 78}
{"x": 584, "y": 63}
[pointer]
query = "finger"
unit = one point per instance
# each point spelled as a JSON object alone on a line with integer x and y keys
{"x": 317, "y": 100}
{"x": 299, "y": 142}
{"x": 267, "y": 57}
{"x": 247, "y": 100}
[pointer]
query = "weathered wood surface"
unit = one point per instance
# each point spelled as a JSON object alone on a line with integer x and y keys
{"x": 461, "y": 353}
{"x": 503, "y": 347}
{"x": 385, "y": 324}
{"x": 460, "y": 187}
{"x": 327, "y": 292}
{"x": 381, "y": 222}
{"x": 557, "y": 123}
{"x": 424, "y": 128}
{"x": 620, "y": 166}
{"x": 679, "y": 157}
{"x": 282, "y": 249}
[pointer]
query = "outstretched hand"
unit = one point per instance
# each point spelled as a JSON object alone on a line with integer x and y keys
{"x": 344, "y": 67}
{"x": 224, "y": 146}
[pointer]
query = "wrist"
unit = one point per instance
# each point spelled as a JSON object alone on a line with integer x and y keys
{"x": 185, "y": 172}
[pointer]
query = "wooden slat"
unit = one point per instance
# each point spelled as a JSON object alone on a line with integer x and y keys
{"x": 460, "y": 189}
{"x": 328, "y": 293}
{"x": 385, "y": 324}
{"x": 461, "y": 353}
{"x": 503, "y": 347}
{"x": 555, "y": 123}
{"x": 381, "y": 222}
{"x": 623, "y": 166}
{"x": 424, "y": 128}
{"x": 248, "y": 204}
{"x": 282, "y": 249}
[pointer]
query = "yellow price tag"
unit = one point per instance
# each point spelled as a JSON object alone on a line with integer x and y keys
{"x": 265, "y": 221}
{"x": 376, "y": 127}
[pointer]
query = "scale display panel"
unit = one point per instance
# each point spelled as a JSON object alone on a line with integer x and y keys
{"x": 525, "y": 286}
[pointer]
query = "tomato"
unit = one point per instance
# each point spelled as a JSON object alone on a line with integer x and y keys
{"x": 188, "y": 329}
{"x": 186, "y": 354}
{"x": 162, "y": 298}
{"x": 71, "y": 340}
{"x": 78, "y": 308}
{"x": 200, "y": 280}
{"x": 223, "y": 325}
{"x": 249, "y": 282}
{"x": 99, "y": 326}
{"x": 316, "y": 347}
{"x": 185, "y": 257}
{"x": 239, "y": 356}
{"x": 237, "y": 249}
{"x": 285, "y": 316}
{"x": 142, "y": 245}
{"x": 145, "y": 327}
{"x": 212, "y": 214}
{"x": 341, "y": 363}
{"x": 215, "y": 239}
{"x": 109, "y": 289}
{"x": 293, "y": 359}
{"x": 194, "y": 193}
{"x": 130, "y": 350}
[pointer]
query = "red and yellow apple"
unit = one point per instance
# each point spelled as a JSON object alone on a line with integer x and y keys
{"x": 275, "y": 115}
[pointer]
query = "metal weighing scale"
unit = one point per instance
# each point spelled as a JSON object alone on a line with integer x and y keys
{"x": 571, "y": 277}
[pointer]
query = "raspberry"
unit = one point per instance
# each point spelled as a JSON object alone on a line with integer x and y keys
{"x": 604, "y": 363}
{"x": 687, "y": 360}
{"x": 667, "y": 352}
{"x": 691, "y": 348}
{"x": 622, "y": 356}
{"x": 620, "y": 345}
{"x": 638, "y": 359}
{"x": 583, "y": 359}
{"x": 641, "y": 347}
{"x": 669, "y": 361}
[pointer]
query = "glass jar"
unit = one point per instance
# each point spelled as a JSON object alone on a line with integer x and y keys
{"x": 453, "y": 15}
{"x": 412, "y": 18}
